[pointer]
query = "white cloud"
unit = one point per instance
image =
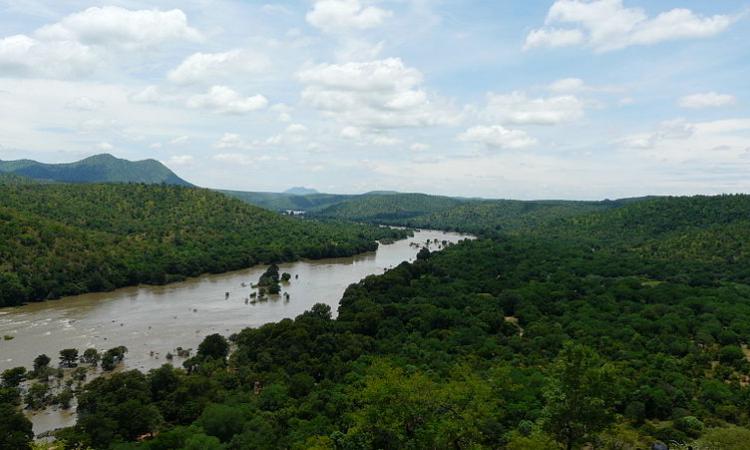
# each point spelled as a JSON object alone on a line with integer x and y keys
{"x": 553, "y": 37}
{"x": 359, "y": 50}
{"x": 81, "y": 42}
{"x": 497, "y": 136}
{"x": 230, "y": 140}
{"x": 566, "y": 85}
{"x": 375, "y": 94}
{"x": 149, "y": 94}
{"x": 247, "y": 160}
{"x": 341, "y": 15}
{"x": 113, "y": 26}
{"x": 21, "y": 55}
{"x": 84, "y": 104}
{"x": 706, "y": 100}
{"x": 209, "y": 67}
{"x": 418, "y": 147}
{"x": 180, "y": 160}
{"x": 517, "y": 108}
{"x": 223, "y": 100}
{"x": 667, "y": 130}
{"x": 385, "y": 140}
{"x": 235, "y": 158}
{"x": 105, "y": 147}
{"x": 350, "y": 133}
{"x": 296, "y": 128}
{"x": 180, "y": 140}
{"x": 700, "y": 146}
{"x": 607, "y": 25}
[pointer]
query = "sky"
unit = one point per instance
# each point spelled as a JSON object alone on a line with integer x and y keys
{"x": 566, "y": 99}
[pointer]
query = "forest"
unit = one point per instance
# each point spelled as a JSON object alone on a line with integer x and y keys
{"x": 65, "y": 239}
{"x": 613, "y": 329}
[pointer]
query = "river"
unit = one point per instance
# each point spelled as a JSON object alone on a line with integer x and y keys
{"x": 158, "y": 319}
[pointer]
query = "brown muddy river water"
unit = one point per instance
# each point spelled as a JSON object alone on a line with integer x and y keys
{"x": 158, "y": 319}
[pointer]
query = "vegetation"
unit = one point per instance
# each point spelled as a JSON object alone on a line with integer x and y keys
{"x": 64, "y": 239}
{"x": 102, "y": 168}
{"x": 288, "y": 201}
{"x": 615, "y": 330}
{"x": 481, "y": 217}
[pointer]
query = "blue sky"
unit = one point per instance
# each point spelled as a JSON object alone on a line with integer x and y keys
{"x": 583, "y": 99}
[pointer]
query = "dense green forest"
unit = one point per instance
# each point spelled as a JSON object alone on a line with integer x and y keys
{"x": 102, "y": 168}
{"x": 482, "y": 217}
{"x": 388, "y": 208}
{"x": 611, "y": 329}
{"x": 282, "y": 201}
{"x": 63, "y": 239}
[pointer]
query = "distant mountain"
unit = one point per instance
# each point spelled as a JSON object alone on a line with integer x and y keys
{"x": 299, "y": 190}
{"x": 103, "y": 168}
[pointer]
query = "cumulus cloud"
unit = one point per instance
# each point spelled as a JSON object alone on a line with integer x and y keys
{"x": 517, "y": 108}
{"x": 706, "y": 100}
{"x": 79, "y": 43}
{"x": 209, "y": 67}
{"x": 375, "y": 94}
{"x": 224, "y": 100}
{"x": 341, "y": 15}
{"x": 607, "y": 25}
{"x": 497, "y": 136}
{"x": 121, "y": 28}
{"x": 22, "y": 55}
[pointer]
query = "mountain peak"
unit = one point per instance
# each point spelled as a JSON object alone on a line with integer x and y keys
{"x": 300, "y": 190}
{"x": 101, "y": 168}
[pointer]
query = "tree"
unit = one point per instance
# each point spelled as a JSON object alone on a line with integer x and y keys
{"x": 112, "y": 357}
{"x": 90, "y": 356}
{"x": 68, "y": 357}
{"x": 116, "y": 408}
{"x": 424, "y": 254}
{"x": 13, "y": 377}
{"x": 286, "y": 276}
{"x": 37, "y": 396}
{"x": 579, "y": 396}
{"x": 15, "y": 429}
{"x": 222, "y": 421}
{"x": 214, "y": 346}
{"x": 41, "y": 363}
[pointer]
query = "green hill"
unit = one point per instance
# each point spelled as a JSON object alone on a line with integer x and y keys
{"x": 469, "y": 215}
{"x": 393, "y": 208}
{"x": 103, "y": 168}
{"x": 63, "y": 239}
{"x": 280, "y": 201}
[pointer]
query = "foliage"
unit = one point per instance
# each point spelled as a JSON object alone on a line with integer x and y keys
{"x": 15, "y": 428}
{"x": 60, "y": 239}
